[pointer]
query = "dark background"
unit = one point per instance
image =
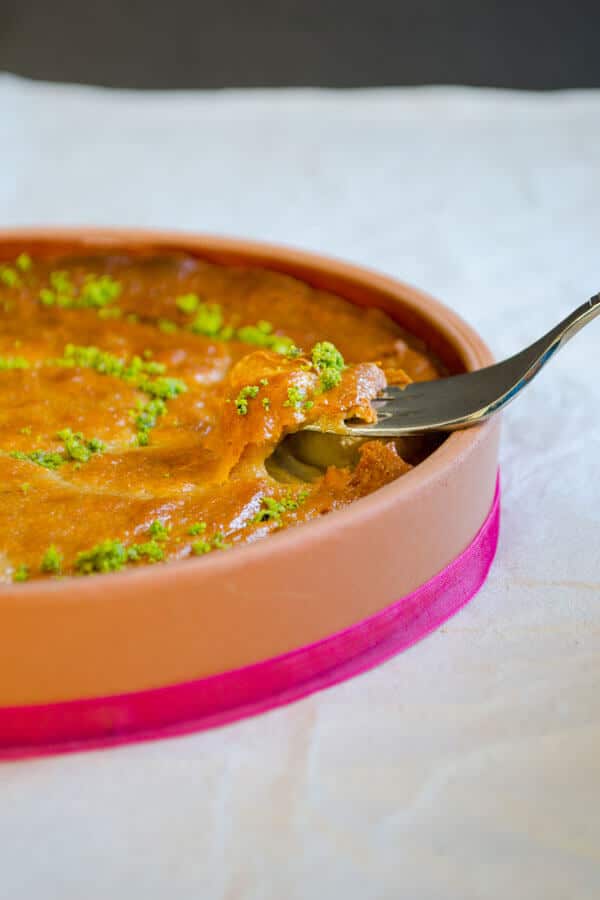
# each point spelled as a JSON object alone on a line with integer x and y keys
{"x": 232, "y": 43}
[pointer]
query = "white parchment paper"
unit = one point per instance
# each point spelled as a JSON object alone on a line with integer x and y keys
{"x": 468, "y": 767}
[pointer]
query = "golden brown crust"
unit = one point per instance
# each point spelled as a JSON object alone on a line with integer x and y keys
{"x": 200, "y": 465}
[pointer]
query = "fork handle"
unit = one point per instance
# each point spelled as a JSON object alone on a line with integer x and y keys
{"x": 461, "y": 401}
{"x": 569, "y": 327}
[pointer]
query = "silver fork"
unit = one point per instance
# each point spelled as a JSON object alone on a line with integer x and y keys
{"x": 465, "y": 400}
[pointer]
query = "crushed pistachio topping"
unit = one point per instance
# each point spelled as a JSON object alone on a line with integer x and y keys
{"x": 262, "y": 335}
{"x": 107, "y": 556}
{"x": 112, "y": 556}
{"x": 143, "y": 374}
{"x": 199, "y": 548}
{"x": 77, "y": 447}
{"x": 247, "y": 393}
{"x": 23, "y": 262}
{"x": 146, "y": 417}
{"x": 266, "y": 403}
{"x": 208, "y": 320}
{"x": 45, "y": 458}
{"x": 110, "y": 312}
{"x": 217, "y": 542}
{"x": 150, "y": 550}
{"x": 108, "y": 364}
{"x": 166, "y": 326}
{"x": 329, "y": 363}
{"x": 163, "y": 388}
{"x": 99, "y": 291}
{"x": 21, "y": 573}
{"x": 188, "y": 303}
{"x": 9, "y": 277}
{"x": 295, "y": 397}
{"x": 159, "y": 531}
{"x": 208, "y": 317}
{"x": 51, "y": 561}
{"x": 96, "y": 292}
{"x": 272, "y": 509}
{"x": 197, "y": 528}
{"x": 13, "y": 362}
{"x": 25, "y": 487}
{"x": 25, "y": 430}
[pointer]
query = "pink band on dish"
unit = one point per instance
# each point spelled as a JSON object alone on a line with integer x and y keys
{"x": 208, "y": 702}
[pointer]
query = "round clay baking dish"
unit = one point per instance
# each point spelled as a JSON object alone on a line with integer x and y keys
{"x": 157, "y": 626}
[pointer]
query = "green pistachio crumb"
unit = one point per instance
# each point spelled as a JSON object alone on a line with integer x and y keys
{"x": 150, "y": 550}
{"x": 273, "y": 509}
{"x": 77, "y": 447}
{"x": 146, "y": 417}
{"x": 25, "y": 487}
{"x": 201, "y": 547}
{"x": 197, "y": 528}
{"x": 217, "y": 542}
{"x": 241, "y": 401}
{"x": 24, "y": 262}
{"x": 45, "y": 458}
{"x": 96, "y": 292}
{"x": 51, "y": 561}
{"x": 159, "y": 531}
{"x": 295, "y": 397}
{"x": 266, "y": 403}
{"x": 166, "y": 326}
{"x": 21, "y": 573}
{"x": 329, "y": 363}
{"x": 208, "y": 320}
{"x": 188, "y": 303}
{"x": 226, "y": 333}
{"x": 47, "y": 297}
{"x": 9, "y": 276}
{"x": 163, "y": 388}
{"x": 137, "y": 372}
{"x": 107, "y": 556}
{"x": 13, "y": 362}
{"x": 110, "y": 312}
{"x": 99, "y": 291}
{"x": 262, "y": 335}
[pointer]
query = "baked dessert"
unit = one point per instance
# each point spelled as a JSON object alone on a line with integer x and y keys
{"x": 152, "y": 407}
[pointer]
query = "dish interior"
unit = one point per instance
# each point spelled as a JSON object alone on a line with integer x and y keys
{"x": 152, "y": 407}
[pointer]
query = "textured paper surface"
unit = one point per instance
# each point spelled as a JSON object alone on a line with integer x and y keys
{"x": 468, "y": 767}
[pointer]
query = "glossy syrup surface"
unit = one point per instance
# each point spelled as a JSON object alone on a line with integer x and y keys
{"x": 141, "y": 396}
